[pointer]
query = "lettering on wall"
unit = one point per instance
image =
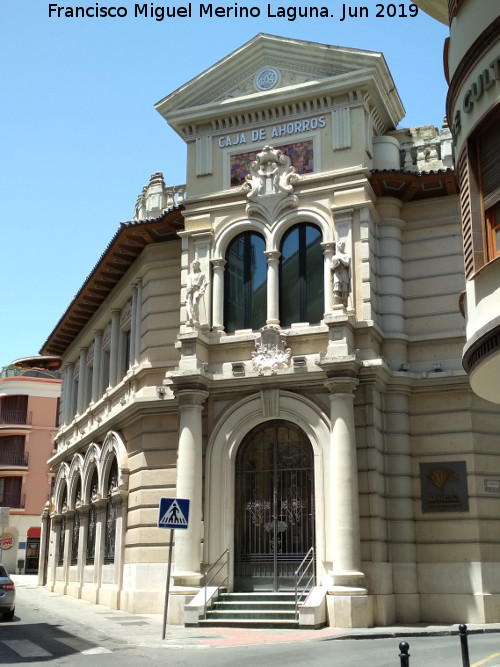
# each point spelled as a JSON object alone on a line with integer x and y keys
{"x": 277, "y": 131}
{"x": 484, "y": 81}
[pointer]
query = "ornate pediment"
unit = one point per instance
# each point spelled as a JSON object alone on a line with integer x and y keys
{"x": 276, "y": 73}
{"x": 269, "y": 68}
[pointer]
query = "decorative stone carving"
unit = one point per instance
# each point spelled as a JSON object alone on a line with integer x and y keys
{"x": 270, "y": 184}
{"x": 156, "y": 198}
{"x": 270, "y": 352}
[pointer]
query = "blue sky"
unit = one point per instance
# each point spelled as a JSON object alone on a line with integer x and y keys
{"x": 79, "y": 135}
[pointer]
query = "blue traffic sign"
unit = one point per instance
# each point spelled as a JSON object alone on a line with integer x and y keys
{"x": 173, "y": 513}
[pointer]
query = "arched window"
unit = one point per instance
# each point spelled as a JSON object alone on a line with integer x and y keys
{"x": 62, "y": 535}
{"x": 301, "y": 276}
{"x": 92, "y": 522}
{"x": 245, "y": 283}
{"x": 76, "y": 525}
{"x": 110, "y": 537}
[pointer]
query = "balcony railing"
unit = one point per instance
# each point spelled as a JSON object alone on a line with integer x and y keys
{"x": 15, "y": 417}
{"x": 13, "y": 458}
{"x": 13, "y": 500}
{"x": 30, "y": 372}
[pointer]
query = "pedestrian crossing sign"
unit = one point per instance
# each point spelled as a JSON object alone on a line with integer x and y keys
{"x": 173, "y": 513}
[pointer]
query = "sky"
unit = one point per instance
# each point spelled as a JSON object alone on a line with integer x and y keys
{"x": 79, "y": 135}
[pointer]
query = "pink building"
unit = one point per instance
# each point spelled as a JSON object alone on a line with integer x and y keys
{"x": 29, "y": 405}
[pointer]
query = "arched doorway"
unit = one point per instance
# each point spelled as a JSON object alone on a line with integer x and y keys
{"x": 274, "y": 505}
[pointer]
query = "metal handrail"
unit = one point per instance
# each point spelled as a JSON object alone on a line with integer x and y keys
{"x": 298, "y": 578}
{"x": 208, "y": 581}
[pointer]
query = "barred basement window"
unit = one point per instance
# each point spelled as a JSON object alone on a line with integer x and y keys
{"x": 111, "y": 511}
{"x": 62, "y": 535}
{"x": 75, "y": 538}
{"x": 91, "y": 533}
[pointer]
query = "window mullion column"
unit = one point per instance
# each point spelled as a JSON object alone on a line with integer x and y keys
{"x": 272, "y": 286}
{"x": 218, "y": 294}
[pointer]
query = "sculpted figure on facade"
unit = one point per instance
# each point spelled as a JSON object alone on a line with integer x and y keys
{"x": 341, "y": 275}
{"x": 195, "y": 288}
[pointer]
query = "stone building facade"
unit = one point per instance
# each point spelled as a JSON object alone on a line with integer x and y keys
{"x": 280, "y": 342}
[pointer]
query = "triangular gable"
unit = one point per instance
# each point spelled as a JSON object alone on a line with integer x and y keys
{"x": 300, "y": 66}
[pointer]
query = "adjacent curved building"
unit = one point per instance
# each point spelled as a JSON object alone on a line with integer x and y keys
{"x": 472, "y": 67}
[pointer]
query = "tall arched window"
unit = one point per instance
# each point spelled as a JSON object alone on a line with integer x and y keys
{"x": 76, "y": 525}
{"x": 301, "y": 276}
{"x": 91, "y": 534}
{"x": 110, "y": 537}
{"x": 62, "y": 535}
{"x": 245, "y": 283}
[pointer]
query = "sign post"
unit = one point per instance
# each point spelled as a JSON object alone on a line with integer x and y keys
{"x": 4, "y": 521}
{"x": 173, "y": 513}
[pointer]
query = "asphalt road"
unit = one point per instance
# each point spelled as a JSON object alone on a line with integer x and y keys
{"x": 58, "y": 630}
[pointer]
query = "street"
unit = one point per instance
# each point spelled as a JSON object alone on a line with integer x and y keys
{"x": 60, "y": 630}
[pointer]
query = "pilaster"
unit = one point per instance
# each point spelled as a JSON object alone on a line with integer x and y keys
{"x": 113, "y": 353}
{"x": 82, "y": 365}
{"x": 96, "y": 375}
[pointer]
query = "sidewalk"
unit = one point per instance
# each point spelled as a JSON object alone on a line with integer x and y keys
{"x": 147, "y": 629}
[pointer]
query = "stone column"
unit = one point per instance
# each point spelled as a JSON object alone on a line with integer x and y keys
{"x": 218, "y": 294}
{"x": 344, "y": 484}
{"x": 43, "y": 568}
{"x": 273, "y": 257}
{"x": 100, "y": 505}
{"x": 80, "y": 401}
{"x": 347, "y": 601}
{"x": 187, "y": 570}
{"x": 328, "y": 254}
{"x": 53, "y": 557}
{"x": 113, "y": 350}
{"x": 97, "y": 365}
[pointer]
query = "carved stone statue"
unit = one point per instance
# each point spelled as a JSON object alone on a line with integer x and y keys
{"x": 341, "y": 275}
{"x": 195, "y": 288}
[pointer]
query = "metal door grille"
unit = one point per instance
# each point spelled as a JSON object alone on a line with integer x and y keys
{"x": 274, "y": 522}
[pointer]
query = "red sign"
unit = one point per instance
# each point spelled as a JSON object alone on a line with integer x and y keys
{"x": 7, "y": 541}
